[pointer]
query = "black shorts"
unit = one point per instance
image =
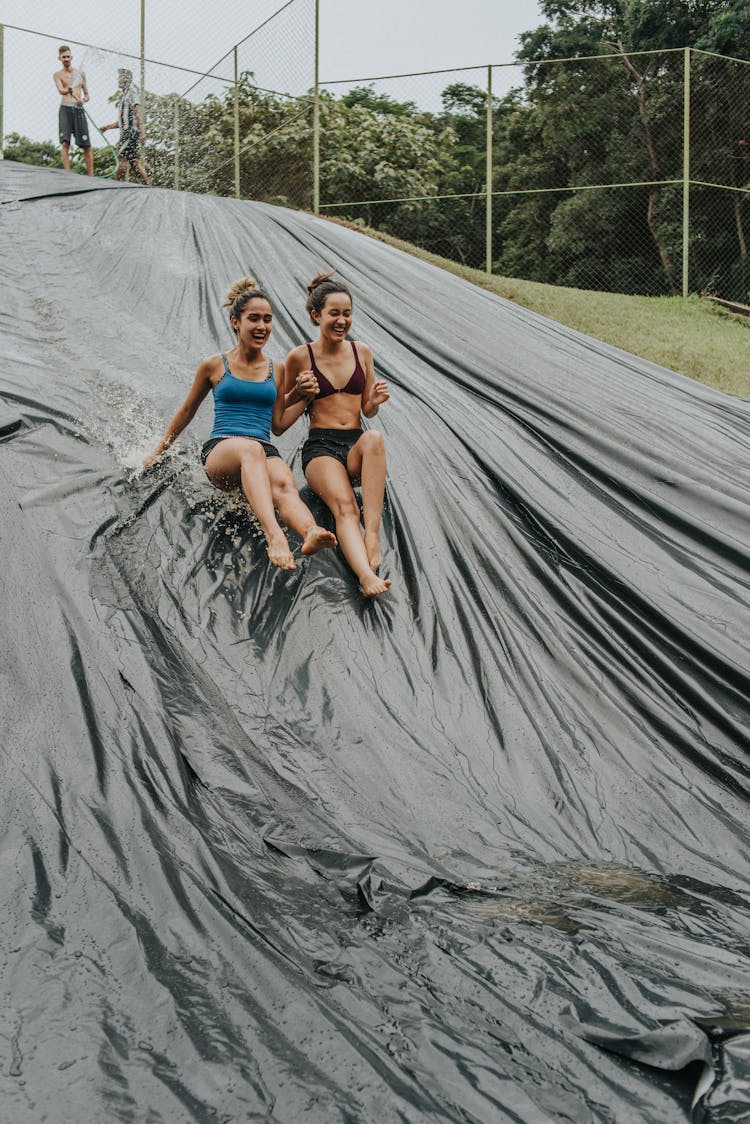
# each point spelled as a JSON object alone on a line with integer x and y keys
{"x": 129, "y": 145}
{"x": 73, "y": 122}
{"x": 269, "y": 449}
{"x": 334, "y": 443}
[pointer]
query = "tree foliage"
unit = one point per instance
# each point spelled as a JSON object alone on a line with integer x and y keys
{"x": 621, "y": 120}
{"x": 25, "y": 151}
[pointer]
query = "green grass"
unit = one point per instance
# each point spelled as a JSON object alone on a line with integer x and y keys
{"x": 692, "y": 336}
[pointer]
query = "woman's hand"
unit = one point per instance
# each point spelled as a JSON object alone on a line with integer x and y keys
{"x": 379, "y": 393}
{"x": 306, "y": 384}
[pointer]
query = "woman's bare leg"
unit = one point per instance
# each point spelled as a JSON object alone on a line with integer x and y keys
{"x": 330, "y": 480}
{"x": 240, "y": 461}
{"x": 294, "y": 513}
{"x": 366, "y": 460}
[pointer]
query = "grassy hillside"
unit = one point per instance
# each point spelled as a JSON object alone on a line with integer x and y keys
{"x": 691, "y": 336}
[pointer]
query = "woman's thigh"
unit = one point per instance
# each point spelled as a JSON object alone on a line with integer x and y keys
{"x": 224, "y": 462}
{"x": 329, "y": 479}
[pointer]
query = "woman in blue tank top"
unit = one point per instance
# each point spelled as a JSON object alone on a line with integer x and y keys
{"x": 248, "y": 392}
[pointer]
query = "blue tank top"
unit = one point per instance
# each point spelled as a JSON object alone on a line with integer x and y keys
{"x": 243, "y": 407}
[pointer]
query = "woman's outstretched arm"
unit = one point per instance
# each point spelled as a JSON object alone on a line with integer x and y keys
{"x": 198, "y": 391}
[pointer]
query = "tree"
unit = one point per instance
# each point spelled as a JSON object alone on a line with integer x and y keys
{"x": 628, "y": 125}
{"x": 45, "y": 154}
{"x": 25, "y": 151}
{"x": 383, "y": 104}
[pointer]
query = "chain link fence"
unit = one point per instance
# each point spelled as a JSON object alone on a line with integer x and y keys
{"x": 238, "y": 122}
{"x": 620, "y": 172}
{"x": 626, "y": 173}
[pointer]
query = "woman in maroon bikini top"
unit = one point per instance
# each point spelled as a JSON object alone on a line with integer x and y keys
{"x": 356, "y": 384}
{"x": 334, "y": 379}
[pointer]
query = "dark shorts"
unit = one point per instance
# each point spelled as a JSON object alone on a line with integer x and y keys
{"x": 334, "y": 443}
{"x": 129, "y": 146}
{"x": 269, "y": 449}
{"x": 73, "y": 122}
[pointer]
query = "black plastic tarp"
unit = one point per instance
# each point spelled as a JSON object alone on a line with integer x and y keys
{"x": 475, "y": 851}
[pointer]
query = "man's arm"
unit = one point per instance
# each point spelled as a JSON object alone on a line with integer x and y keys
{"x": 62, "y": 87}
{"x": 84, "y": 88}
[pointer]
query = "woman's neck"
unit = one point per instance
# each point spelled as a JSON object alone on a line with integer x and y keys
{"x": 331, "y": 347}
{"x": 247, "y": 355}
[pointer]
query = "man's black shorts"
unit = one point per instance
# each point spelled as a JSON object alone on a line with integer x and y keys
{"x": 73, "y": 122}
{"x": 129, "y": 144}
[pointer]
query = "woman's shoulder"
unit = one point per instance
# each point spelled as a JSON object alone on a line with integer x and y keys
{"x": 210, "y": 365}
{"x": 299, "y": 354}
{"x": 364, "y": 351}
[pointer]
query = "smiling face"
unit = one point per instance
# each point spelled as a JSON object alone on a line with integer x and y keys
{"x": 254, "y": 325}
{"x": 335, "y": 317}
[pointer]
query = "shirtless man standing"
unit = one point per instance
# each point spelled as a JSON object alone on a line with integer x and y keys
{"x": 74, "y": 94}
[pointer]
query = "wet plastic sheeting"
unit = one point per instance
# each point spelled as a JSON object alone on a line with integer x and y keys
{"x": 477, "y": 851}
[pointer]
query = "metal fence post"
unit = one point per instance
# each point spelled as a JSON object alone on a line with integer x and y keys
{"x": 2, "y": 78}
{"x": 316, "y": 116}
{"x": 142, "y": 90}
{"x": 177, "y": 144}
{"x": 236, "y": 127}
{"x": 488, "y": 184}
{"x": 686, "y": 175}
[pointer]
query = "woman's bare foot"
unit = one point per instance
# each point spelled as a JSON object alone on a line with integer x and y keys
{"x": 317, "y": 538}
{"x": 279, "y": 552}
{"x": 372, "y": 546}
{"x": 373, "y": 586}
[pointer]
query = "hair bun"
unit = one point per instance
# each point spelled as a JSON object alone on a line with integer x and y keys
{"x": 237, "y": 288}
{"x": 321, "y": 277}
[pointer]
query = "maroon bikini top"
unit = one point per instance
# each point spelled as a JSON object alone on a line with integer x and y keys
{"x": 356, "y": 383}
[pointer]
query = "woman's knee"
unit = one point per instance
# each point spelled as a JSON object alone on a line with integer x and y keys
{"x": 343, "y": 507}
{"x": 371, "y": 441}
{"x": 252, "y": 454}
{"x": 283, "y": 487}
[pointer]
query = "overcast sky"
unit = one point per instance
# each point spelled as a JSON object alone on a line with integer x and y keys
{"x": 358, "y": 38}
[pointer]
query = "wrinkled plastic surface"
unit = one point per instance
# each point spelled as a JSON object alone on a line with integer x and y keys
{"x": 477, "y": 851}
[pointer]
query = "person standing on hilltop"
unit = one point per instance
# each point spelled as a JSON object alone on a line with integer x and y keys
{"x": 130, "y": 123}
{"x": 71, "y": 85}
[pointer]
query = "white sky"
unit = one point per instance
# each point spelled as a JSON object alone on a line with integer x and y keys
{"x": 358, "y": 38}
